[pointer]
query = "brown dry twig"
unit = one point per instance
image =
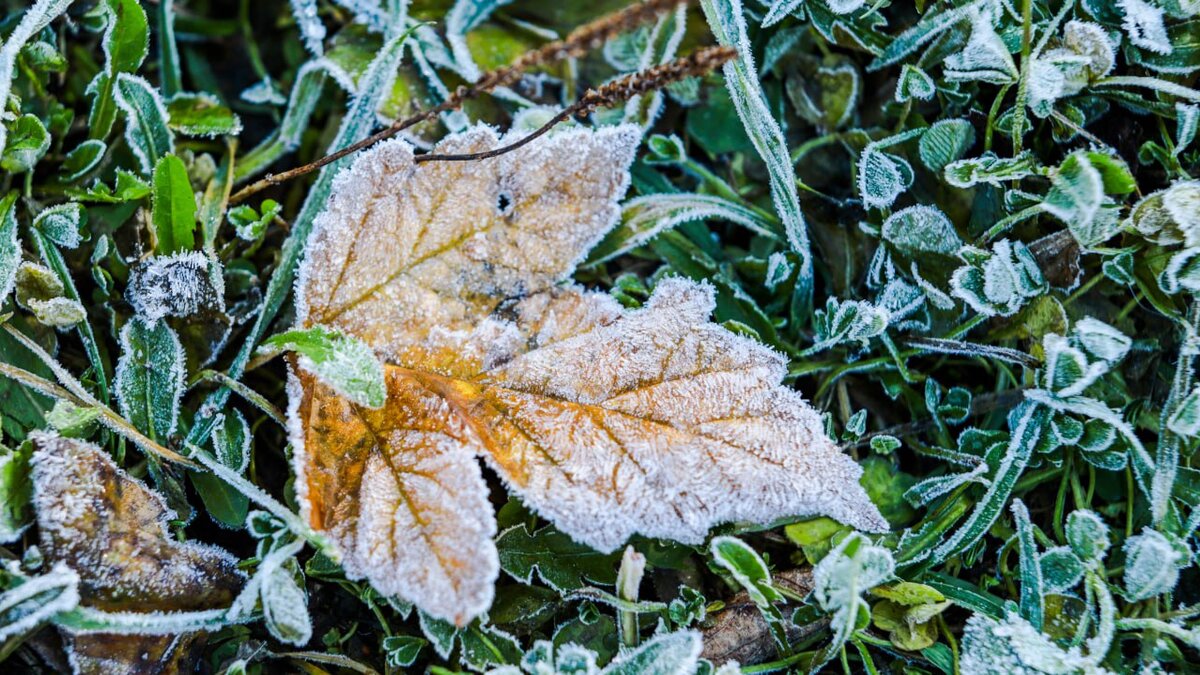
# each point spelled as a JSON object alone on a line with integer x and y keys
{"x": 577, "y": 43}
{"x": 621, "y": 89}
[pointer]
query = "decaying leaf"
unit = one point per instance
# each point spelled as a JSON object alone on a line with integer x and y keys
{"x": 111, "y": 530}
{"x": 607, "y": 422}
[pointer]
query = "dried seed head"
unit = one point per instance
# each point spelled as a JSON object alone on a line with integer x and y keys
{"x": 697, "y": 63}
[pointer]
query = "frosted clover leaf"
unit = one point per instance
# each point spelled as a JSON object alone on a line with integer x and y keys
{"x": 1169, "y": 217}
{"x": 1152, "y": 565}
{"x": 1013, "y": 645}
{"x": 847, "y": 321}
{"x": 1144, "y": 25}
{"x": 607, "y": 422}
{"x": 999, "y": 282}
{"x": 984, "y": 58}
{"x": 1083, "y": 56}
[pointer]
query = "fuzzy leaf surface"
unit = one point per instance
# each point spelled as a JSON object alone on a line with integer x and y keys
{"x": 607, "y": 422}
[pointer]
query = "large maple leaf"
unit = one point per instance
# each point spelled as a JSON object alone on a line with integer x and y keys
{"x": 111, "y": 529}
{"x": 607, "y": 422}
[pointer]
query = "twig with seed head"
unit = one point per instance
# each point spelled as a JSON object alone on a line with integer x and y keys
{"x": 577, "y": 43}
{"x": 610, "y": 94}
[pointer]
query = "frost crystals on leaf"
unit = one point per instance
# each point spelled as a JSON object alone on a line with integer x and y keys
{"x": 111, "y": 530}
{"x": 607, "y": 422}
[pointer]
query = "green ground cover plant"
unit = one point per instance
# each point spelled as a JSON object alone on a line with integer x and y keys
{"x": 508, "y": 336}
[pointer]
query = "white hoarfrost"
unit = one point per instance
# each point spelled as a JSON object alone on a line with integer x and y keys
{"x": 179, "y": 285}
{"x": 111, "y": 530}
{"x": 607, "y": 422}
{"x": 1144, "y": 26}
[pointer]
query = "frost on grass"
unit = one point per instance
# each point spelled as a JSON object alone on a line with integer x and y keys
{"x": 312, "y": 31}
{"x": 607, "y": 422}
{"x": 179, "y": 285}
{"x": 111, "y": 530}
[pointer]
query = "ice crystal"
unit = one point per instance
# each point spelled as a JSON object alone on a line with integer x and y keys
{"x": 998, "y": 283}
{"x": 607, "y": 422}
{"x": 111, "y": 530}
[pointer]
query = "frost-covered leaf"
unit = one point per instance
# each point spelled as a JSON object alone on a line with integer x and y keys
{"x": 750, "y": 571}
{"x": 1185, "y": 421}
{"x": 28, "y": 140}
{"x": 1013, "y": 645}
{"x": 945, "y": 142}
{"x": 285, "y": 606}
{"x": 847, "y": 321}
{"x": 606, "y": 421}
{"x": 1187, "y": 119}
{"x": 146, "y": 129}
{"x": 38, "y": 599}
{"x": 1170, "y": 216}
{"x": 150, "y": 377}
{"x": 251, "y": 224}
{"x": 127, "y": 187}
{"x": 61, "y": 224}
{"x": 339, "y": 361}
{"x": 882, "y": 177}
{"x": 10, "y": 245}
{"x": 829, "y": 97}
{"x": 110, "y": 529}
{"x": 1150, "y": 565}
{"x": 201, "y": 115}
{"x": 985, "y": 57}
{"x": 1068, "y": 372}
{"x": 999, "y": 282}
{"x": 179, "y": 285}
{"x": 921, "y": 229}
{"x": 914, "y": 84}
{"x": 1061, "y": 569}
{"x": 33, "y": 20}
{"x": 1144, "y": 25}
{"x": 231, "y": 441}
{"x": 727, "y": 21}
{"x": 1101, "y": 340}
{"x": 125, "y": 42}
{"x": 666, "y": 654}
{"x": 989, "y": 169}
{"x": 1077, "y": 198}
{"x": 931, "y": 25}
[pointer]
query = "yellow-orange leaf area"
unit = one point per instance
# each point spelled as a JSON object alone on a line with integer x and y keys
{"x": 607, "y": 422}
{"x": 111, "y": 529}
